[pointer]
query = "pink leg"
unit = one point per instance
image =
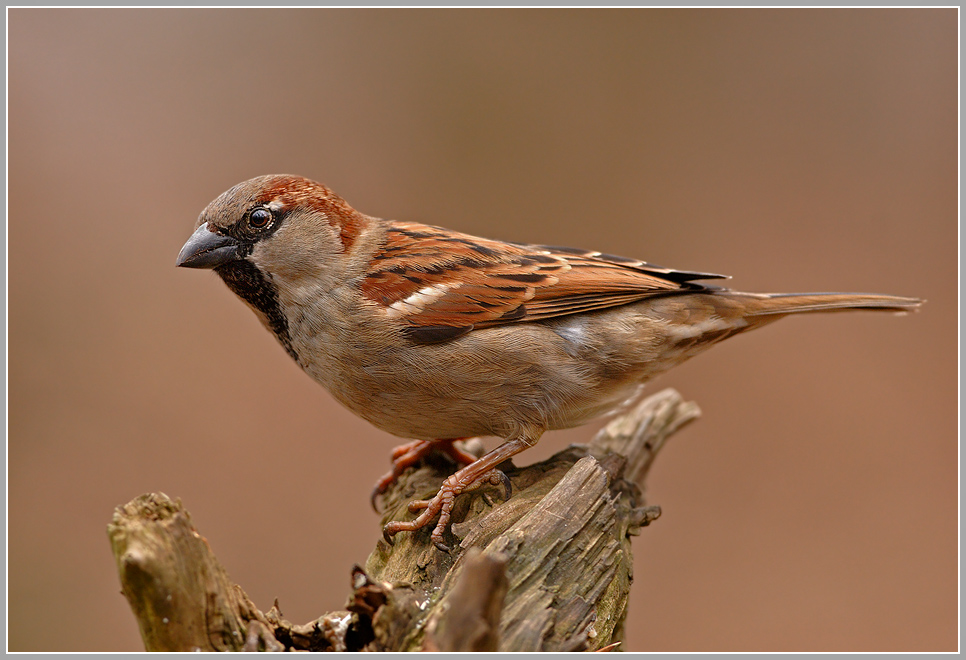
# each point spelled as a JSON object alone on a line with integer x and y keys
{"x": 407, "y": 455}
{"x": 475, "y": 475}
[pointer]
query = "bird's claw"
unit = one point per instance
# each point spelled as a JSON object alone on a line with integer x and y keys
{"x": 442, "y": 547}
{"x": 442, "y": 504}
{"x": 498, "y": 478}
{"x": 506, "y": 483}
{"x": 407, "y": 455}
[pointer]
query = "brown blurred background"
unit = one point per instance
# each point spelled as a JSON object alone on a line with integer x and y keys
{"x": 813, "y": 507}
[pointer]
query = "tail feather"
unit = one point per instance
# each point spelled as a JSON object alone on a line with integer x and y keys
{"x": 793, "y": 303}
{"x": 691, "y": 322}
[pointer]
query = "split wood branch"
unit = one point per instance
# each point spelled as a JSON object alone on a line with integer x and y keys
{"x": 548, "y": 570}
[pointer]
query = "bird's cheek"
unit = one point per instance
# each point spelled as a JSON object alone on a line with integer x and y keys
{"x": 295, "y": 263}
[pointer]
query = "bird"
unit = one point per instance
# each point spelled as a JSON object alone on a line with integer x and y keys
{"x": 435, "y": 336}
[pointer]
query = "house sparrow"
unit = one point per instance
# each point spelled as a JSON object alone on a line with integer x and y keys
{"x": 435, "y": 335}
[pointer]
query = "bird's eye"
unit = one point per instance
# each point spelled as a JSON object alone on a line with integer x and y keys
{"x": 259, "y": 218}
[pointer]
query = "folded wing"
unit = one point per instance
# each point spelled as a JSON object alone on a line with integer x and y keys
{"x": 443, "y": 284}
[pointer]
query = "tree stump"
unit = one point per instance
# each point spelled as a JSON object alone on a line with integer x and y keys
{"x": 548, "y": 570}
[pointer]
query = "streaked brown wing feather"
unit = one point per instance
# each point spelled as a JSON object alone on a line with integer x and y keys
{"x": 443, "y": 284}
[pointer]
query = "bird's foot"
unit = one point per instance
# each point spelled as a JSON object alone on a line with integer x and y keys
{"x": 407, "y": 455}
{"x": 442, "y": 504}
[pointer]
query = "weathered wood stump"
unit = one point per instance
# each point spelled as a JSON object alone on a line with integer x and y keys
{"x": 548, "y": 570}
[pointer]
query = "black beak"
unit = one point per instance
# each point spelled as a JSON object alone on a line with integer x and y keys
{"x": 206, "y": 249}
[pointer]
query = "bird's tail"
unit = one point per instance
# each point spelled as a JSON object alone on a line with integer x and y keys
{"x": 708, "y": 316}
{"x": 780, "y": 304}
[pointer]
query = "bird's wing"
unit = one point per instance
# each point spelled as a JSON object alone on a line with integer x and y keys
{"x": 442, "y": 284}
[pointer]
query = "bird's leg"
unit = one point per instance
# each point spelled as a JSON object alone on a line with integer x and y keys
{"x": 407, "y": 455}
{"x": 479, "y": 473}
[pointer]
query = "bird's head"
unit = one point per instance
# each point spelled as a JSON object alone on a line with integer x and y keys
{"x": 286, "y": 226}
{"x": 276, "y": 241}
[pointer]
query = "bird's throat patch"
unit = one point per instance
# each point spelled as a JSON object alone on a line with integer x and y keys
{"x": 244, "y": 278}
